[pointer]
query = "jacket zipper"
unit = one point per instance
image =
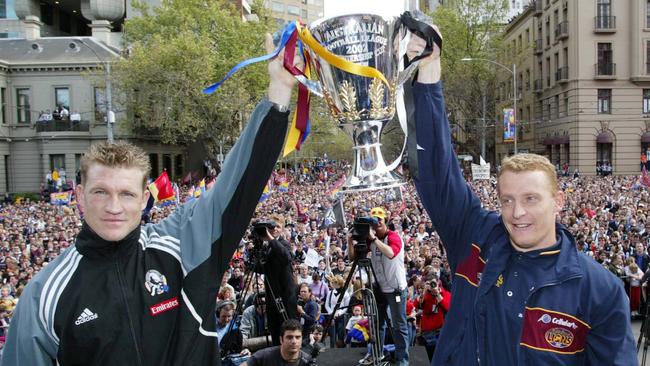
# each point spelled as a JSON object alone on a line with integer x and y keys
{"x": 128, "y": 314}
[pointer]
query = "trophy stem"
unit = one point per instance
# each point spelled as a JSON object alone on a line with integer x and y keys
{"x": 369, "y": 169}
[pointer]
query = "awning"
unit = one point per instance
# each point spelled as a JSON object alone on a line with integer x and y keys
{"x": 556, "y": 140}
{"x": 645, "y": 137}
{"x": 605, "y": 138}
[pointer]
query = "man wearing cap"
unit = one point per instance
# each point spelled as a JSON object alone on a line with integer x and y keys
{"x": 387, "y": 258}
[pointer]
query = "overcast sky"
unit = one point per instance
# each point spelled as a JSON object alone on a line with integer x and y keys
{"x": 381, "y": 7}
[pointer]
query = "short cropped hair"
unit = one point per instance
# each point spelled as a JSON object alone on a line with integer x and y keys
{"x": 118, "y": 154}
{"x": 289, "y": 325}
{"x": 529, "y": 163}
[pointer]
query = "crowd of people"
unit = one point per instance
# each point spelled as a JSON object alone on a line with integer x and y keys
{"x": 608, "y": 216}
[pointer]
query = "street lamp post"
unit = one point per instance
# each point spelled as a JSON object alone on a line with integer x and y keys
{"x": 110, "y": 115}
{"x": 513, "y": 71}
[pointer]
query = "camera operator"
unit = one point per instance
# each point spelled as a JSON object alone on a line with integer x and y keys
{"x": 387, "y": 258}
{"x": 279, "y": 277}
{"x": 432, "y": 306}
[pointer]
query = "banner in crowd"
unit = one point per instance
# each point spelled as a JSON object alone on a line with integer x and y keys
{"x": 481, "y": 171}
{"x": 509, "y": 125}
{"x": 161, "y": 189}
{"x": 61, "y": 198}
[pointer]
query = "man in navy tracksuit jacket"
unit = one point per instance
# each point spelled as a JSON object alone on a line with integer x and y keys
{"x": 127, "y": 294}
{"x": 521, "y": 294}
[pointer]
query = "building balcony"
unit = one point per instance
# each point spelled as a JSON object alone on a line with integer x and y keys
{"x": 539, "y": 46}
{"x": 605, "y": 24}
{"x": 605, "y": 70}
{"x": 538, "y": 86}
{"x": 562, "y": 30}
{"x": 562, "y": 74}
{"x": 63, "y": 126}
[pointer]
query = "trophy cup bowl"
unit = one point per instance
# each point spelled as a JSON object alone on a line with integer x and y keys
{"x": 362, "y": 106}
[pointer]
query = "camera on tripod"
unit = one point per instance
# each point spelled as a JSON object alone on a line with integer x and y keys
{"x": 260, "y": 229}
{"x": 360, "y": 231}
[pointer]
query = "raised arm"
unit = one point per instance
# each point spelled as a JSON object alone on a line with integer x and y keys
{"x": 449, "y": 201}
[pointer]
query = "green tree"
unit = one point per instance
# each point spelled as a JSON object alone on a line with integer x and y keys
{"x": 176, "y": 50}
{"x": 470, "y": 28}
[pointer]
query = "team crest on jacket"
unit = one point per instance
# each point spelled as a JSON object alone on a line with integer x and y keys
{"x": 155, "y": 282}
{"x": 553, "y": 331}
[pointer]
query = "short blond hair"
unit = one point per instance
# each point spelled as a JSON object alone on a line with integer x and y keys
{"x": 530, "y": 163}
{"x": 118, "y": 154}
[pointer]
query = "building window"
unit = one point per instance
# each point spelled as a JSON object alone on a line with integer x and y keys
{"x": 23, "y": 97}
{"x": 556, "y": 105}
{"x": 3, "y": 105}
{"x": 303, "y": 14}
{"x": 604, "y": 8}
{"x": 605, "y": 59}
{"x": 647, "y": 14}
{"x": 153, "y": 162}
{"x": 100, "y": 105}
{"x": 566, "y": 104}
{"x": 62, "y": 98}
{"x": 646, "y": 100}
{"x": 647, "y": 56}
{"x": 178, "y": 166}
{"x": 603, "y": 153}
{"x": 3, "y": 9}
{"x": 605, "y": 101}
{"x": 77, "y": 164}
{"x": 278, "y": 7}
{"x": 293, "y": 10}
{"x": 57, "y": 162}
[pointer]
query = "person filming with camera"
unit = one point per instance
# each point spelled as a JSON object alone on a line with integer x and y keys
{"x": 279, "y": 283}
{"x": 432, "y": 306}
{"x": 387, "y": 257}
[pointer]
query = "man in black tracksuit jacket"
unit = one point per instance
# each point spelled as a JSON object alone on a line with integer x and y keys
{"x": 127, "y": 294}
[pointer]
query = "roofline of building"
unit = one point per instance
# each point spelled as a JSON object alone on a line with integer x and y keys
{"x": 519, "y": 17}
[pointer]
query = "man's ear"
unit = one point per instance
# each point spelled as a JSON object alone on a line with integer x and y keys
{"x": 559, "y": 201}
{"x": 79, "y": 194}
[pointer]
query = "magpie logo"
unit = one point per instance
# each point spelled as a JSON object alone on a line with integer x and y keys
{"x": 85, "y": 317}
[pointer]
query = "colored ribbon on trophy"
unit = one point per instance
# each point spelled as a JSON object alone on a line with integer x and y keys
{"x": 422, "y": 30}
{"x": 299, "y": 128}
{"x": 338, "y": 61}
{"x": 288, "y": 30}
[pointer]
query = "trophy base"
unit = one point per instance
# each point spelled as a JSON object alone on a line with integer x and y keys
{"x": 372, "y": 182}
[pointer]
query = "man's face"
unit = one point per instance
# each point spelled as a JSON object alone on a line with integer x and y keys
{"x": 291, "y": 341}
{"x": 304, "y": 293}
{"x": 318, "y": 336}
{"x": 225, "y": 316}
{"x": 528, "y": 209}
{"x": 112, "y": 200}
{"x": 381, "y": 229}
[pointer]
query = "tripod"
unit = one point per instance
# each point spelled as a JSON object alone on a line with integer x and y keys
{"x": 369, "y": 303}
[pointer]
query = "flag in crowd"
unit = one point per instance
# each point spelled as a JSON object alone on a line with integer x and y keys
{"x": 161, "y": 189}
{"x": 645, "y": 178}
{"x": 267, "y": 192}
{"x": 336, "y": 186}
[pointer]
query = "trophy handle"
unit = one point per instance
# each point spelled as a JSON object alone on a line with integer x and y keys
{"x": 314, "y": 86}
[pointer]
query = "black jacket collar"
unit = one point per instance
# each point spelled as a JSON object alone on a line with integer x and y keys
{"x": 91, "y": 245}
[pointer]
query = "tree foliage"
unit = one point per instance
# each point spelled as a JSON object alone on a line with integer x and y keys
{"x": 176, "y": 50}
{"x": 470, "y": 28}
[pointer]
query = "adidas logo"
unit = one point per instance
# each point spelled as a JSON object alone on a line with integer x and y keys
{"x": 85, "y": 317}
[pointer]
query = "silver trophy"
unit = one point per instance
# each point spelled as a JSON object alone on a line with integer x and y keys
{"x": 362, "y": 105}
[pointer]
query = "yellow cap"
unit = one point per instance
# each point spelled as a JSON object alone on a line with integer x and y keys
{"x": 378, "y": 212}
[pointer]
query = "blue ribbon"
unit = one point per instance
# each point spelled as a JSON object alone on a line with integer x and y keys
{"x": 286, "y": 33}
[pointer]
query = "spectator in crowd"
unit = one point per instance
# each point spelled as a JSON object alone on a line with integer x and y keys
{"x": 229, "y": 336}
{"x": 517, "y": 270}
{"x": 253, "y": 321}
{"x": 287, "y": 353}
{"x": 112, "y": 251}
{"x": 308, "y": 311}
{"x": 315, "y": 341}
{"x": 432, "y": 306}
{"x": 357, "y": 314}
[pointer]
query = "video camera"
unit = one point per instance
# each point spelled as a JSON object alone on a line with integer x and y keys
{"x": 360, "y": 232}
{"x": 260, "y": 229}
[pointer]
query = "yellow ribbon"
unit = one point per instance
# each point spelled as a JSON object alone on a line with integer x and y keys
{"x": 336, "y": 60}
